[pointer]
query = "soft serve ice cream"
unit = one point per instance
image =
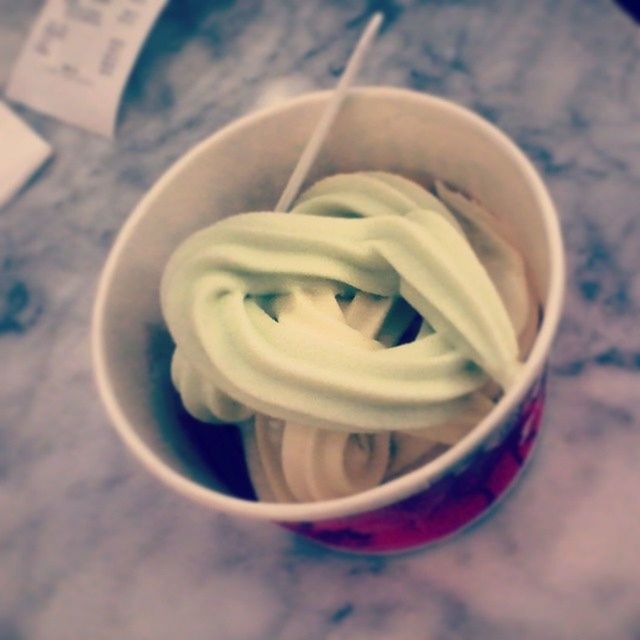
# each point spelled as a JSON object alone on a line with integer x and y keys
{"x": 355, "y": 337}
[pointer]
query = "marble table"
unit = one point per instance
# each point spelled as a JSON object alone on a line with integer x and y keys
{"x": 91, "y": 546}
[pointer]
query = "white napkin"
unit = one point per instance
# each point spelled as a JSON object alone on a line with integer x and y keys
{"x": 22, "y": 151}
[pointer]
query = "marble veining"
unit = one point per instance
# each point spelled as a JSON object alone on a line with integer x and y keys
{"x": 91, "y": 546}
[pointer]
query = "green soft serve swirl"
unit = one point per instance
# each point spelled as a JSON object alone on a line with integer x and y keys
{"x": 257, "y": 305}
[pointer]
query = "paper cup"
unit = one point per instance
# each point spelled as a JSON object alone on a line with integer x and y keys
{"x": 244, "y": 167}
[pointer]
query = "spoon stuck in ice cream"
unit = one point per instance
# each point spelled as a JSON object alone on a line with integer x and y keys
{"x": 303, "y": 324}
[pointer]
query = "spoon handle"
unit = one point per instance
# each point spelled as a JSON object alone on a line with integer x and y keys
{"x": 315, "y": 142}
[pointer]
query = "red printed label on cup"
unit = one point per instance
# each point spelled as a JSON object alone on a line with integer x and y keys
{"x": 453, "y": 502}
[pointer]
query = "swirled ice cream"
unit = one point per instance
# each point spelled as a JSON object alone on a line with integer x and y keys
{"x": 361, "y": 333}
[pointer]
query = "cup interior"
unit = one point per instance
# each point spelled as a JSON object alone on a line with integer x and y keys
{"x": 244, "y": 167}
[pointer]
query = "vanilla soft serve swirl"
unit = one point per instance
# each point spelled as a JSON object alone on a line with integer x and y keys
{"x": 241, "y": 301}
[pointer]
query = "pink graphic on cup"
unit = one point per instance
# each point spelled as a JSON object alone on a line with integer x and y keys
{"x": 451, "y": 503}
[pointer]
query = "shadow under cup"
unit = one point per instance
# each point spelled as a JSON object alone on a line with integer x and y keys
{"x": 244, "y": 167}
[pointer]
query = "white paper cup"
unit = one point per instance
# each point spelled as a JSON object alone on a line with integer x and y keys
{"x": 244, "y": 167}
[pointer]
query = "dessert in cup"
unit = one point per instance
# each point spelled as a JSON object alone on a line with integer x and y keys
{"x": 381, "y": 347}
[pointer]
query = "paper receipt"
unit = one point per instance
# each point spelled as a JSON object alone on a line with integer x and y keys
{"x": 76, "y": 60}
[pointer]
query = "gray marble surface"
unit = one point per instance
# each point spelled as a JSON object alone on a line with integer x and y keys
{"x": 91, "y": 546}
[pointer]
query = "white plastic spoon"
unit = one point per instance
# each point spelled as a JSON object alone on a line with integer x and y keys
{"x": 315, "y": 142}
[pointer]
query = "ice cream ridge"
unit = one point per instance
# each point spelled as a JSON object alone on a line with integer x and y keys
{"x": 352, "y": 339}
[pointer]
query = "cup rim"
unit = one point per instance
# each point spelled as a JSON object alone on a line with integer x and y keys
{"x": 398, "y": 488}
